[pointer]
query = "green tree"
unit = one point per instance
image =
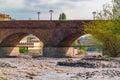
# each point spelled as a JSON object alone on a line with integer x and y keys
{"x": 107, "y": 29}
{"x": 23, "y": 50}
{"x": 75, "y": 43}
{"x": 116, "y": 9}
{"x": 29, "y": 38}
{"x": 62, "y": 16}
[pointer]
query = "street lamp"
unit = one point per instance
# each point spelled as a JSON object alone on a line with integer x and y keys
{"x": 94, "y": 13}
{"x": 51, "y": 11}
{"x": 38, "y": 15}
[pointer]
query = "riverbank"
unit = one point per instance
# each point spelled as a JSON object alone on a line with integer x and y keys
{"x": 47, "y": 69}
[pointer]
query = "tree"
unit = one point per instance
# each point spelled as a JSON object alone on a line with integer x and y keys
{"x": 107, "y": 29}
{"x": 62, "y": 16}
{"x": 75, "y": 43}
{"x": 29, "y": 38}
{"x": 116, "y": 8}
{"x": 23, "y": 50}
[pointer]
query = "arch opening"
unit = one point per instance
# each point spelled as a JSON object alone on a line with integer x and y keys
{"x": 87, "y": 45}
{"x": 21, "y": 43}
{"x": 81, "y": 44}
{"x": 30, "y": 45}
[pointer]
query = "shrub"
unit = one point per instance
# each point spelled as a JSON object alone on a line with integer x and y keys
{"x": 81, "y": 51}
{"x": 23, "y": 50}
{"x": 106, "y": 56}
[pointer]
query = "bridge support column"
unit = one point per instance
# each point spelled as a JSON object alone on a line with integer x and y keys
{"x": 58, "y": 52}
{"x": 8, "y": 51}
{"x": 5, "y": 51}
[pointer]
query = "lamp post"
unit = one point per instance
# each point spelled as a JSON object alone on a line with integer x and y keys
{"x": 38, "y": 15}
{"x": 94, "y": 13}
{"x": 51, "y": 11}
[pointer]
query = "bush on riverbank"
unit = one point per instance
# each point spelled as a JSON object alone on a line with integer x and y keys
{"x": 23, "y": 50}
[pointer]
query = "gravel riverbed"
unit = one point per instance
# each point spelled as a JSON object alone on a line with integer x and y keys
{"x": 47, "y": 69}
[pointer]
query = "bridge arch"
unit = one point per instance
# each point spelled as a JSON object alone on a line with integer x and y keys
{"x": 71, "y": 50}
{"x": 10, "y": 41}
{"x": 63, "y": 46}
{"x": 67, "y": 41}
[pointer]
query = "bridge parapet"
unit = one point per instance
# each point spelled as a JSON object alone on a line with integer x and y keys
{"x": 42, "y": 24}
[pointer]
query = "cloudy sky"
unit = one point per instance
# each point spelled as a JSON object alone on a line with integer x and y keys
{"x": 74, "y": 9}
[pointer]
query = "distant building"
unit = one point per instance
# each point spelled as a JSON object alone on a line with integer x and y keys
{"x": 32, "y": 44}
{"x": 4, "y": 17}
{"x": 37, "y": 48}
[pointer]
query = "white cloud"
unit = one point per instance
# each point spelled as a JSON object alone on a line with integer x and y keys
{"x": 12, "y": 4}
{"x": 74, "y": 9}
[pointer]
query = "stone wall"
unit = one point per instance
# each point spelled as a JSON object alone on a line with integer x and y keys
{"x": 59, "y": 51}
{"x": 15, "y": 52}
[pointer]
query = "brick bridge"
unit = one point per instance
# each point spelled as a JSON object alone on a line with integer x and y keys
{"x": 57, "y": 36}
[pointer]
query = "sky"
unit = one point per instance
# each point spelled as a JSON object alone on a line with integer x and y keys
{"x": 74, "y": 9}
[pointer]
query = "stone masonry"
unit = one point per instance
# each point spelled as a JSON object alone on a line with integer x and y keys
{"x": 57, "y": 36}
